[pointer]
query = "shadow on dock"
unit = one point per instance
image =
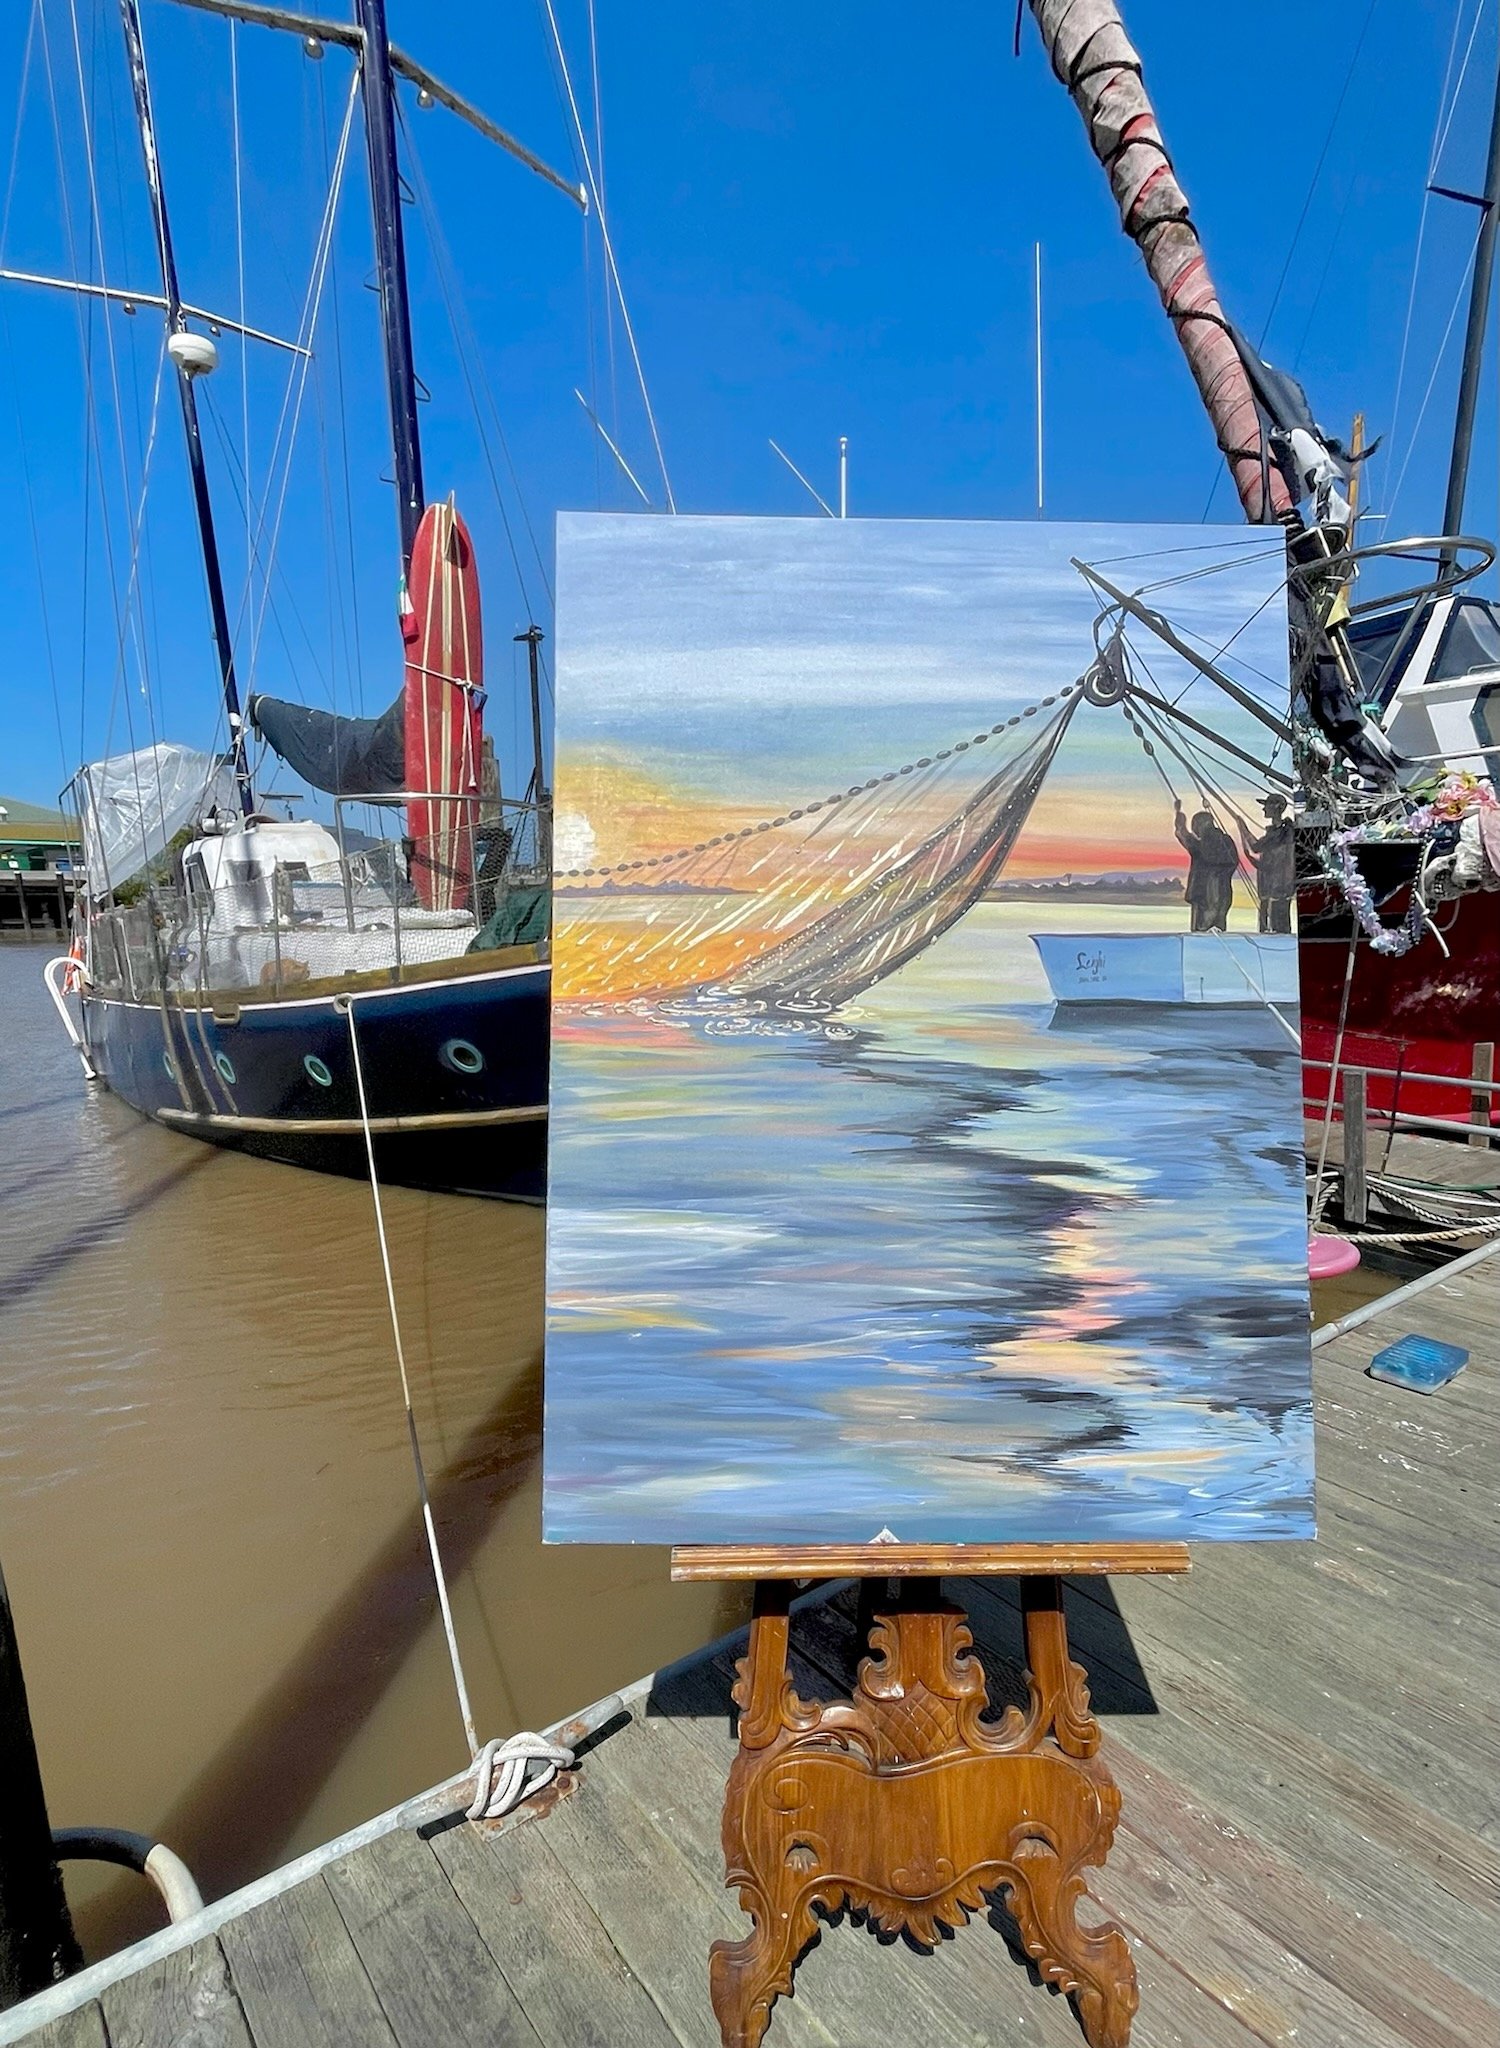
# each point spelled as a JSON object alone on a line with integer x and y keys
{"x": 828, "y": 1642}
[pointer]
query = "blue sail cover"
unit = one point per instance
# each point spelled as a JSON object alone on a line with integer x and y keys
{"x": 345, "y": 756}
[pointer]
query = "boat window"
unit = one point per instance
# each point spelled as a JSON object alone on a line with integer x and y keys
{"x": 1485, "y": 718}
{"x": 1471, "y": 640}
{"x": 1371, "y": 642}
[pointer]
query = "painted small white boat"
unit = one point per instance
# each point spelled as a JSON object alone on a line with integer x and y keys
{"x": 1169, "y": 967}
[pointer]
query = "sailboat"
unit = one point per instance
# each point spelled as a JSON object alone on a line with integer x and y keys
{"x": 298, "y": 990}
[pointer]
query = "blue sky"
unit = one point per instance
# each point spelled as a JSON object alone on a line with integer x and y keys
{"x": 825, "y": 220}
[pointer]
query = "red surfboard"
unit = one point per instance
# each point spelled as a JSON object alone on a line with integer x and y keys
{"x": 444, "y": 706}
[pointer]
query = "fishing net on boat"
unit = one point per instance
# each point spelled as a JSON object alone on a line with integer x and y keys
{"x": 805, "y": 909}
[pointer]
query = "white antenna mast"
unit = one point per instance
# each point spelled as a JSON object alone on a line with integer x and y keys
{"x": 802, "y": 480}
{"x": 1040, "y": 495}
{"x": 843, "y": 476}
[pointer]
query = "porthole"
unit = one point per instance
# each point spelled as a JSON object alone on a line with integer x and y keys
{"x": 317, "y": 1070}
{"x": 171, "y": 1066}
{"x": 462, "y": 1057}
{"x": 225, "y": 1065}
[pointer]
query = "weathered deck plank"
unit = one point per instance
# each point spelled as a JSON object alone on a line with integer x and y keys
{"x": 433, "y": 1975}
{"x": 300, "y": 1981}
{"x": 81, "y": 2029}
{"x": 530, "y": 1914}
{"x": 184, "y": 1997}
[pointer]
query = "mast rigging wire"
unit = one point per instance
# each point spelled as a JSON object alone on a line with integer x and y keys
{"x": 298, "y": 375}
{"x": 127, "y": 628}
{"x": 1442, "y": 122}
{"x": 1312, "y": 188}
{"x": 1437, "y": 364}
{"x": 471, "y": 366}
{"x": 607, "y": 241}
{"x": 15, "y": 393}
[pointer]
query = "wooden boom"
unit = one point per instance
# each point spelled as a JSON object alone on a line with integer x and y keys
{"x": 1096, "y": 61}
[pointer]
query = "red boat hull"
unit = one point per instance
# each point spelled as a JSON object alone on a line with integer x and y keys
{"x": 1421, "y": 1014}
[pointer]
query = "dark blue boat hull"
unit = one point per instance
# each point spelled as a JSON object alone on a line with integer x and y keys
{"x": 455, "y": 1075}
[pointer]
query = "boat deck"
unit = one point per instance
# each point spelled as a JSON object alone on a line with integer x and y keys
{"x": 1304, "y": 1736}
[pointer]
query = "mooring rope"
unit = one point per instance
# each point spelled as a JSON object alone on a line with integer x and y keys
{"x": 434, "y": 1552}
{"x": 492, "y": 1796}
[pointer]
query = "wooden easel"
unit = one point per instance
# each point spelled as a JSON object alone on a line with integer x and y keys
{"x": 903, "y": 1801}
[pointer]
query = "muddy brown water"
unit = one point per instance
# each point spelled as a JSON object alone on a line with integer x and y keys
{"x": 208, "y": 1516}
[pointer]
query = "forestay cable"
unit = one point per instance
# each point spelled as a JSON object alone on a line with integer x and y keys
{"x": 597, "y": 197}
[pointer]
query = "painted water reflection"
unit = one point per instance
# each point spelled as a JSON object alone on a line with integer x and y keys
{"x": 963, "y": 1269}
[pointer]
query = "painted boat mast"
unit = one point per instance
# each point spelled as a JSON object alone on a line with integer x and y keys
{"x": 1095, "y": 59}
{"x": 1474, "y": 336}
{"x": 130, "y": 21}
{"x": 390, "y": 268}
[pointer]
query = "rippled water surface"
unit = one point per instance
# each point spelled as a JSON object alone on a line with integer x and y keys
{"x": 207, "y": 1511}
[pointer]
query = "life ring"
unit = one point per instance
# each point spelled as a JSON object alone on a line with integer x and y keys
{"x": 73, "y": 973}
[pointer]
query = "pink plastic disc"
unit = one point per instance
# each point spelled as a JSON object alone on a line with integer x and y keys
{"x": 1329, "y": 1256}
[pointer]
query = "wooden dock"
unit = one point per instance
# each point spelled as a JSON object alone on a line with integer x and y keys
{"x": 35, "y": 905}
{"x": 1304, "y": 1736}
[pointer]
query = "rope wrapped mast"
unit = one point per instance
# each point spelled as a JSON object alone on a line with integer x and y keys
{"x": 1097, "y": 62}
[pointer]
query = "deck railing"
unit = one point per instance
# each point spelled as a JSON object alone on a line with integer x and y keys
{"x": 369, "y": 911}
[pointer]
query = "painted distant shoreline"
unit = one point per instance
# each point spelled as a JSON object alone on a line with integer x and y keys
{"x": 1041, "y": 889}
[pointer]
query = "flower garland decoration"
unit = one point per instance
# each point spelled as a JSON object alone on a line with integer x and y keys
{"x": 1452, "y": 799}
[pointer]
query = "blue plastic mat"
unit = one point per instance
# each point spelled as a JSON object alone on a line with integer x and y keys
{"x": 1420, "y": 1363}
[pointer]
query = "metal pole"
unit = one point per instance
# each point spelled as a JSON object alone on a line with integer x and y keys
{"x": 533, "y": 637}
{"x": 1479, "y": 313}
{"x": 843, "y": 476}
{"x": 135, "y": 51}
{"x": 390, "y": 269}
{"x": 37, "y": 1944}
{"x": 1384, "y": 1303}
{"x": 1479, "y": 1100}
{"x": 1356, "y": 1189}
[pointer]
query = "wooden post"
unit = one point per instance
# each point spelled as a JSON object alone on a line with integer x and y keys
{"x": 1356, "y": 1194}
{"x": 1481, "y": 1100}
{"x": 906, "y": 1800}
{"x": 37, "y": 1943}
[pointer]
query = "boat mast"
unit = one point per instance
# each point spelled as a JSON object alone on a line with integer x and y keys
{"x": 177, "y": 324}
{"x": 390, "y": 268}
{"x": 1096, "y": 61}
{"x": 1479, "y": 313}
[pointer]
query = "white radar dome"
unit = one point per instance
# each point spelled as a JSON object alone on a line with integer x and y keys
{"x": 194, "y": 354}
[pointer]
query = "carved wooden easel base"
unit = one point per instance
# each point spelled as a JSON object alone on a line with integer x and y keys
{"x": 907, "y": 1803}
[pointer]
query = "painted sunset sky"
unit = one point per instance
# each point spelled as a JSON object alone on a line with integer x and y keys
{"x": 712, "y": 668}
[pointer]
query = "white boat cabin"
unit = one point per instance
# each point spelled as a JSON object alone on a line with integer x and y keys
{"x": 1433, "y": 671}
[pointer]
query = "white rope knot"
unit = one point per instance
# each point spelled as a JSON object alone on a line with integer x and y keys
{"x": 502, "y": 1778}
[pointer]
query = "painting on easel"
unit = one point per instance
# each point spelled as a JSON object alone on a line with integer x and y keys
{"x": 926, "y": 1099}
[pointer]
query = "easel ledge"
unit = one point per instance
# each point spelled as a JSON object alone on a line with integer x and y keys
{"x": 925, "y": 1561}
